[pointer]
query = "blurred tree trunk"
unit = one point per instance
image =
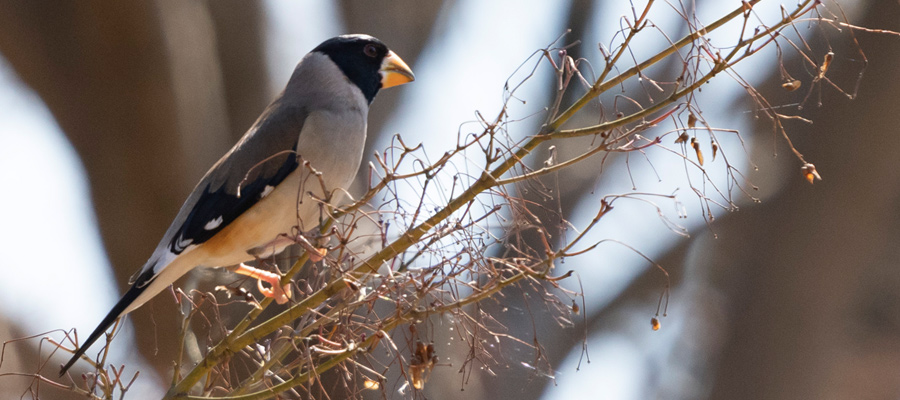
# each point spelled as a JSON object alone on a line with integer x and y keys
{"x": 239, "y": 27}
{"x": 813, "y": 307}
{"x": 106, "y": 72}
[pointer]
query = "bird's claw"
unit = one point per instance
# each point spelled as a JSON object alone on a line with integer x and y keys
{"x": 281, "y": 293}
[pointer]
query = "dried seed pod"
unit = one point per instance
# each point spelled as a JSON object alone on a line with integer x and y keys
{"x": 421, "y": 364}
{"x": 371, "y": 385}
{"x": 238, "y": 292}
{"x": 715, "y": 148}
{"x": 809, "y": 172}
{"x": 825, "y": 63}
{"x": 654, "y": 323}
{"x": 696, "y": 145}
{"x": 682, "y": 138}
{"x": 692, "y": 120}
{"x": 792, "y": 85}
{"x": 351, "y": 285}
{"x": 550, "y": 161}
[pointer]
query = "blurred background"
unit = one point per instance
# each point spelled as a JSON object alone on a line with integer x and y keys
{"x": 110, "y": 112}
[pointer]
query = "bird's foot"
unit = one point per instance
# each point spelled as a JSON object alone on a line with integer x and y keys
{"x": 280, "y": 293}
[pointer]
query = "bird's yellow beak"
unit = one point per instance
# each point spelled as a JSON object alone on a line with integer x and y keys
{"x": 394, "y": 71}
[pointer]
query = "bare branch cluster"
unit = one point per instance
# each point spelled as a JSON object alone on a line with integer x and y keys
{"x": 396, "y": 262}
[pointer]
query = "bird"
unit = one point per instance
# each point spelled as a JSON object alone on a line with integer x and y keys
{"x": 306, "y": 146}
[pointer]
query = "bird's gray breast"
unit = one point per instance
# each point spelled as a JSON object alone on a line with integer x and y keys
{"x": 332, "y": 142}
{"x": 334, "y": 131}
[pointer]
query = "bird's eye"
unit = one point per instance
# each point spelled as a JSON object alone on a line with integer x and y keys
{"x": 370, "y": 50}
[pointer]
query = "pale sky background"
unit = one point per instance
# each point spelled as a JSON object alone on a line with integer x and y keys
{"x": 46, "y": 199}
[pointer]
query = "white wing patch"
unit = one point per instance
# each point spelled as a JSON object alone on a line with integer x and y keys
{"x": 213, "y": 224}
{"x": 266, "y": 190}
{"x": 182, "y": 243}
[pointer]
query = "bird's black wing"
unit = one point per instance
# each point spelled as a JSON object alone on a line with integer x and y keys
{"x": 216, "y": 209}
{"x": 256, "y": 165}
{"x": 263, "y": 158}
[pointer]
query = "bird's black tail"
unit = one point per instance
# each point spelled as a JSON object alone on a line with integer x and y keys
{"x": 136, "y": 289}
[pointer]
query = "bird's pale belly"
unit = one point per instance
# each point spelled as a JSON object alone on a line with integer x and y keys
{"x": 285, "y": 209}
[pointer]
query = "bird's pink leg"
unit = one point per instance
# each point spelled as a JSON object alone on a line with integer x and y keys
{"x": 280, "y": 293}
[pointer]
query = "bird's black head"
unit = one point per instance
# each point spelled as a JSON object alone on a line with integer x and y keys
{"x": 360, "y": 57}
